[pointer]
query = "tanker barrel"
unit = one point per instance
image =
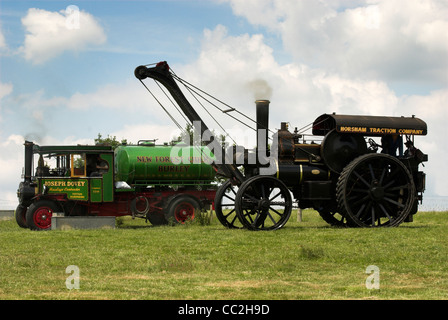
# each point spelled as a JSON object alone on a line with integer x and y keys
{"x": 163, "y": 164}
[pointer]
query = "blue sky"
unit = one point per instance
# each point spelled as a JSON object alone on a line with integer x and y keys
{"x": 62, "y": 85}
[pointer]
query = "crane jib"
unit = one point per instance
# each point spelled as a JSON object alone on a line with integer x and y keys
{"x": 162, "y": 74}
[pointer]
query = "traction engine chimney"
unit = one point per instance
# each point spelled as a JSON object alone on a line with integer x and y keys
{"x": 262, "y": 126}
{"x": 28, "y": 161}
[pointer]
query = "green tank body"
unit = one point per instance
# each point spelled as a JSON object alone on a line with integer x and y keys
{"x": 159, "y": 164}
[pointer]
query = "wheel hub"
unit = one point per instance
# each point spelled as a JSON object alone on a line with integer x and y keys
{"x": 42, "y": 218}
{"x": 376, "y": 191}
{"x": 184, "y": 212}
{"x": 264, "y": 204}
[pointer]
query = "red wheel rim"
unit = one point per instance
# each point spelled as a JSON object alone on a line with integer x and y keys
{"x": 184, "y": 211}
{"x": 42, "y": 217}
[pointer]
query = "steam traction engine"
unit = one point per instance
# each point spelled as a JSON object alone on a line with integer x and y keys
{"x": 340, "y": 170}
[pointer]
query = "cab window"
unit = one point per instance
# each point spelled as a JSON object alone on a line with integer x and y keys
{"x": 78, "y": 165}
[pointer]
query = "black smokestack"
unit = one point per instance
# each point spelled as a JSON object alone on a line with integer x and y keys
{"x": 262, "y": 126}
{"x": 28, "y": 160}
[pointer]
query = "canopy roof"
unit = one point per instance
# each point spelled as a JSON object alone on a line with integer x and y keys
{"x": 71, "y": 149}
{"x": 369, "y": 125}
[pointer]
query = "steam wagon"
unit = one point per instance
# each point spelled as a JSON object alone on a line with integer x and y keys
{"x": 144, "y": 180}
{"x": 352, "y": 169}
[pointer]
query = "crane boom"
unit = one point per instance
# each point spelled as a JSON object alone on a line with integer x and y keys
{"x": 161, "y": 73}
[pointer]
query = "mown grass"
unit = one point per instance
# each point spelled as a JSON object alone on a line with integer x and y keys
{"x": 306, "y": 260}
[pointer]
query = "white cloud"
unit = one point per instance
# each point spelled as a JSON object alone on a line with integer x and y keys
{"x": 11, "y": 163}
{"x": 228, "y": 65}
{"x": 432, "y": 109}
{"x": 106, "y": 109}
{"x": 385, "y": 39}
{"x": 225, "y": 61}
{"x": 49, "y": 34}
{"x": 129, "y": 95}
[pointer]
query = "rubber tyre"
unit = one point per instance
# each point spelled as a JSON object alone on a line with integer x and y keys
{"x": 20, "y": 215}
{"x": 182, "y": 209}
{"x": 38, "y": 215}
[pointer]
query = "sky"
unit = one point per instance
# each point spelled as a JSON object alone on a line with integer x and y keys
{"x": 66, "y": 68}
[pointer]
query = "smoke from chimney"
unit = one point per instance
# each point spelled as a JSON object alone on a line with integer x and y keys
{"x": 260, "y": 88}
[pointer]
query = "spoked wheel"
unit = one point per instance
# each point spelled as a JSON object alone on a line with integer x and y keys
{"x": 225, "y": 206}
{"x": 375, "y": 190}
{"x": 263, "y": 203}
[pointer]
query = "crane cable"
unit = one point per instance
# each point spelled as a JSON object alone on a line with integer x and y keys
{"x": 189, "y": 85}
{"x": 198, "y": 148}
{"x": 164, "y": 109}
{"x": 192, "y": 92}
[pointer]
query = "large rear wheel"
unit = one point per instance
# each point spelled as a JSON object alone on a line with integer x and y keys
{"x": 375, "y": 190}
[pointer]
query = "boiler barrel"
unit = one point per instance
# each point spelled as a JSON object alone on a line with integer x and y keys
{"x": 156, "y": 164}
{"x": 295, "y": 174}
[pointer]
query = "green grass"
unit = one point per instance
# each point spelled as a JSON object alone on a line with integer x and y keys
{"x": 306, "y": 260}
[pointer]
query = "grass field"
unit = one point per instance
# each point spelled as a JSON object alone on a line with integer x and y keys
{"x": 306, "y": 260}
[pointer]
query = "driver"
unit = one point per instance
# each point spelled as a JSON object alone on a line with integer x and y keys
{"x": 391, "y": 143}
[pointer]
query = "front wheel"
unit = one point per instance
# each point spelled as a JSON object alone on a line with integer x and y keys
{"x": 263, "y": 203}
{"x": 182, "y": 209}
{"x": 38, "y": 215}
{"x": 225, "y": 206}
{"x": 20, "y": 216}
